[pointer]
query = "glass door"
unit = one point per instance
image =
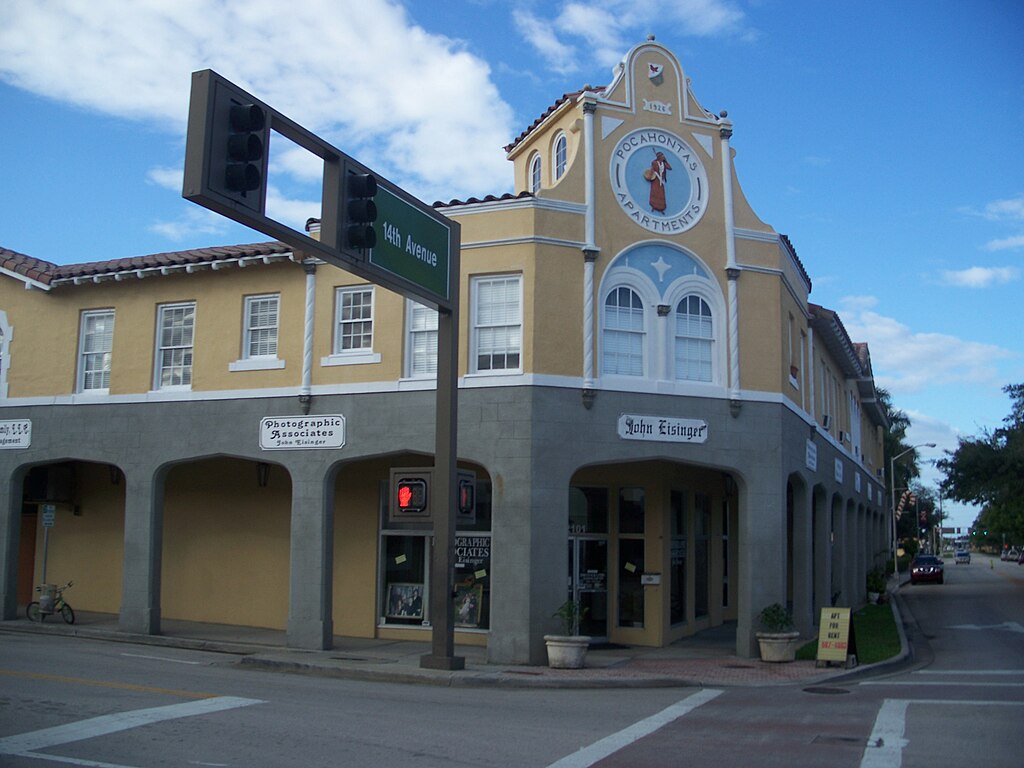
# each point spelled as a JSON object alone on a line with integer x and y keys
{"x": 588, "y": 583}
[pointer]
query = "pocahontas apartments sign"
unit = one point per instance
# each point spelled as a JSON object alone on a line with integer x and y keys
{"x": 663, "y": 429}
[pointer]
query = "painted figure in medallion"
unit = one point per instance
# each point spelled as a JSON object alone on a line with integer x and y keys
{"x": 657, "y": 175}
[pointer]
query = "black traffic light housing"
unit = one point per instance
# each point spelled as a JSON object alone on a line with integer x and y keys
{"x": 360, "y": 210}
{"x": 227, "y": 152}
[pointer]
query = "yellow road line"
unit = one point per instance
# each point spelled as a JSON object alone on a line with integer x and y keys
{"x": 106, "y": 684}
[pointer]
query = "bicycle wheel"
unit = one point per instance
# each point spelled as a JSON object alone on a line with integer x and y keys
{"x": 32, "y": 611}
{"x": 67, "y": 614}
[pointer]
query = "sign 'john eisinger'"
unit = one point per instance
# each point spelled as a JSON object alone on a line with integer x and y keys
{"x": 664, "y": 429}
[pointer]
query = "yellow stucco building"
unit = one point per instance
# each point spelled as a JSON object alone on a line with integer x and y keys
{"x": 654, "y": 417}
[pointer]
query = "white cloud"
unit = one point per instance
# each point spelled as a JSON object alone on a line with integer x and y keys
{"x": 168, "y": 178}
{"x": 980, "y": 277}
{"x": 1005, "y": 243}
{"x": 906, "y": 361}
{"x": 1011, "y": 209}
{"x": 193, "y": 221}
{"x": 602, "y": 30}
{"x": 414, "y": 106}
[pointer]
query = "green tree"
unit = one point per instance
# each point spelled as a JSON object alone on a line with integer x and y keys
{"x": 988, "y": 470}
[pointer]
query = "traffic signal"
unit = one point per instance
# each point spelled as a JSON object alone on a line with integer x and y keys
{"x": 467, "y": 496}
{"x": 360, "y": 210}
{"x": 227, "y": 148}
{"x": 411, "y": 495}
{"x": 246, "y": 148}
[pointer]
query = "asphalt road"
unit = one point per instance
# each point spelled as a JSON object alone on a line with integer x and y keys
{"x": 68, "y": 701}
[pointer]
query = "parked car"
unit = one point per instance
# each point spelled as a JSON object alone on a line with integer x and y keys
{"x": 1012, "y": 555}
{"x": 1020, "y": 558}
{"x": 963, "y": 556}
{"x": 926, "y": 568}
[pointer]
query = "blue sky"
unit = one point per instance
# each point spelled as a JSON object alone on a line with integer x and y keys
{"x": 883, "y": 137}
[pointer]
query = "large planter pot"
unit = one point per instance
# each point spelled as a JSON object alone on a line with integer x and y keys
{"x": 778, "y": 646}
{"x": 566, "y": 651}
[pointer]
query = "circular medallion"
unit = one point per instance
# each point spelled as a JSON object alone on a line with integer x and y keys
{"x": 659, "y": 180}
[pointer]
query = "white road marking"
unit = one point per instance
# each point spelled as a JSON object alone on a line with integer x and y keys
{"x": 159, "y": 658}
{"x": 1011, "y": 626}
{"x": 611, "y": 744}
{"x": 25, "y": 744}
{"x": 886, "y": 743}
{"x": 919, "y": 683}
{"x": 968, "y": 672}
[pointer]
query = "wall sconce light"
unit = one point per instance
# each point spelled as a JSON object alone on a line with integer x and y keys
{"x": 262, "y": 474}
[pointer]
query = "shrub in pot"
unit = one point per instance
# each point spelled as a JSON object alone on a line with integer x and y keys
{"x": 568, "y": 650}
{"x": 779, "y": 639}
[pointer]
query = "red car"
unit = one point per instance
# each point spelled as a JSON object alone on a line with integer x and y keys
{"x": 926, "y": 568}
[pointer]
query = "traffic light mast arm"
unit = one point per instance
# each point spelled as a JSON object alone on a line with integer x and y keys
{"x": 206, "y": 123}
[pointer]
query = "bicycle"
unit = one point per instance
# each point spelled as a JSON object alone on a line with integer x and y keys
{"x": 36, "y": 612}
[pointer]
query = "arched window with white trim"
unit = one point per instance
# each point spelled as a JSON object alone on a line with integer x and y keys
{"x": 662, "y": 321}
{"x": 694, "y": 337}
{"x": 623, "y": 333}
{"x": 561, "y": 155}
{"x": 535, "y": 174}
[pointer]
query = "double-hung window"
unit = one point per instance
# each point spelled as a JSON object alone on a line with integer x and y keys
{"x": 622, "y": 338}
{"x": 95, "y": 344}
{"x": 497, "y": 323}
{"x": 261, "y": 326}
{"x": 353, "y": 327}
{"x": 175, "y": 334}
{"x": 422, "y": 339}
{"x": 259, "y": 336}
{"x": 694, "y": 337}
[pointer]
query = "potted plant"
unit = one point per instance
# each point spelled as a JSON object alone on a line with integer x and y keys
{"x": 779, "y": 639}
{"x": 875, "y": 585}
{"x": 568, "y": 650}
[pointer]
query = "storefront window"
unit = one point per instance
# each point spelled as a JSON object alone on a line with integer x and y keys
{"x": 631, "y": 557}
{"x": 701, "y": 554}
{"x": 588, "y": 510}
{"x": 405, "y": 576}
{"x": 405, "y": 589}
{"x": 677, "y": 566}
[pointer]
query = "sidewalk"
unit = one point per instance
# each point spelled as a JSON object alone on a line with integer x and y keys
{"x": 706, "y": 660}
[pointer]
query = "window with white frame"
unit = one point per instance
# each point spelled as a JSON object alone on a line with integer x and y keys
{"x": 497, "y": 323}
{"x": 422, "y": 341}
{"x": 535, "y": 174}
{"x": 259, "y": 334}
{"x": 622, "y": 337}
{"x": 95, "y": 344}
{"x": 353, "y": 312}
{"x": 694, "y": 338}
{"x": 261, "y": 326}
{"x": 561, "y": 155}
{"x": 175, "y": 334}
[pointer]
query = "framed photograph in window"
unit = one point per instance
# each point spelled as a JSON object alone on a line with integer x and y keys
{"x": 469, "y": 598}
{"x": 405, "y": 601}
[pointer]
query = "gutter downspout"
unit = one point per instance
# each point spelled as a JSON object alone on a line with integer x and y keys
{"x": 590, "y": 252}
{"x": 731, "y": 270}
{"x": 306, "y": 390}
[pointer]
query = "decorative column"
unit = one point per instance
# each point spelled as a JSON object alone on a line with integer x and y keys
{"x": 731, "y": 271}
{"x": 305, "y": 393}
{"x": 590, "y": 252}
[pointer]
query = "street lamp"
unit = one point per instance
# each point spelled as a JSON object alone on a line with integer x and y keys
{"x": 892, "y": 481}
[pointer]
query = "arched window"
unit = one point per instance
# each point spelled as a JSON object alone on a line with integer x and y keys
{"x": 694, "y": 334}
{"x": 561, "y": 153}
{"x": 623, "y": 333}
{"x": 535, "y": 174}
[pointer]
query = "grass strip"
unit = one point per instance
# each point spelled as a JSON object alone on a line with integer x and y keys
{"x": 877, "y": 637}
